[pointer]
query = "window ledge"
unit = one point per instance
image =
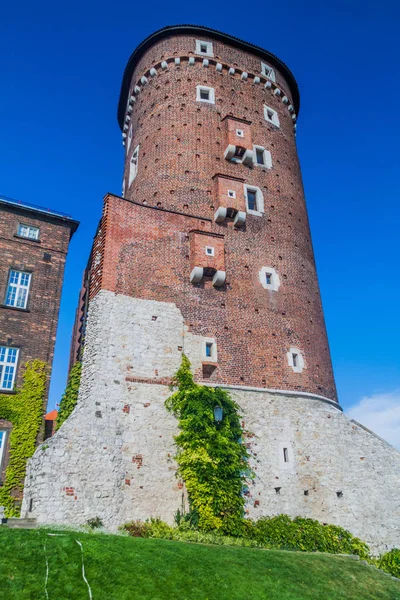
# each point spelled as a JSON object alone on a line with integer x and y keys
{"x": 254, "y": 212}
{"x": 22, "y": 237}
{"x": 8, "y": 392}
{"x": 15, "y": 308}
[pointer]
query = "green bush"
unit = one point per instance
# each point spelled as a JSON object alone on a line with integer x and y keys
{"x": 279, "y": 532}
{"x": 212, "y": 460}
{"x": 25, "y": 411}
{"x": 70, "y": 396}
{"x": 306, "y": 535}
{"x": 390, "y": 562}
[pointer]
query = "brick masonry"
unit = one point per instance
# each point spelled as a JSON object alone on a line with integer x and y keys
{"x": 114, "y": 454}
{"x": 113, "y": 457}
{"x": 32, "y": 330}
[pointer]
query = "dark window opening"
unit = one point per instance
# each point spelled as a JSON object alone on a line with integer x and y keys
{"x": 295, "y": 358}
{"x": 285, "y": 455}
{"x": 268, "y": 278}
{"x": 252, "y": 199}
{"x": 259, "y": 156}
{"x": 209, "y": 349}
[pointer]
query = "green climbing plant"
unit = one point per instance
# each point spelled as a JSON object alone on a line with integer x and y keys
{"x": 25, "y": 411}
{"x": 70, "y": 396}
{"x": 212, "y": 460}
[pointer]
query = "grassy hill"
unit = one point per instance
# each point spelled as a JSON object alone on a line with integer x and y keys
{"x": 122, "y": 568}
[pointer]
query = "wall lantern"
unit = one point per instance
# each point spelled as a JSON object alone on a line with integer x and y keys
{"x": 218, "y": 411}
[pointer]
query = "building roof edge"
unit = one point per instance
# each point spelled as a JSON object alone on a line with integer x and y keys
{"x": 200, "y": 29}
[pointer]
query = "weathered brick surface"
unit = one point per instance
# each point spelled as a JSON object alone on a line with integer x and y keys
{"x": 32, "y": 330}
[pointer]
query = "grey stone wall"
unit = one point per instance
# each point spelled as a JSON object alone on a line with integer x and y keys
{"x": 113, "y": 457}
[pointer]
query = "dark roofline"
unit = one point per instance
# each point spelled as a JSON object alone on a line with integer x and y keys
{"x": 11, "y": 202}
{"x": 213, "y": 33}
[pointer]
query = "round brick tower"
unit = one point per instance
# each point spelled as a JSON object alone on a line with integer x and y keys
{"x": 208, "y": 124}
{"x": 208, "y": 252}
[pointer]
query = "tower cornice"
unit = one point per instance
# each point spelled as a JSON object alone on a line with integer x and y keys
{"x": 172, "y": 30}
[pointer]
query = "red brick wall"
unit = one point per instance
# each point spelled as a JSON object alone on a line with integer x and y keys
{"x": 146, "y": 251}
{"x": 32, "y": 330}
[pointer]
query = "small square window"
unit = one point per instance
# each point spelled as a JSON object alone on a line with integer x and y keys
{"x": 240, "y": 133}
{"x": 268, "y": 71}
{"x": 205, "y": 94}
{"x": 209, "y": 349}
{"x": 231, "y": 194}
{"x": 205, "y": 48}
{"x": 209, "y": 251}
{"x": 28, "y": 231}
{"x": 271, "y": 116}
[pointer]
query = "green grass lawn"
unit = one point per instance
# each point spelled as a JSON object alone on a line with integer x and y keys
{"x": 122, "y": 568}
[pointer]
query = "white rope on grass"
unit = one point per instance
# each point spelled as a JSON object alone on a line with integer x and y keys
{"x": 47, "y": 572}
{"x": 83, "y": 572}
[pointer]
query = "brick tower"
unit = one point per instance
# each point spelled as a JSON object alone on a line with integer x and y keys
{"x": 207, "y": 252}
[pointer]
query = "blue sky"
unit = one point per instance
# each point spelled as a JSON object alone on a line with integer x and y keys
{"x": 61, "y": 69}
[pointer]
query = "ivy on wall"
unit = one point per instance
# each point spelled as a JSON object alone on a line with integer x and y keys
{"x": 211, "y": 459}
{"x": 25, "y": 411}
{"x": 70, "y": 396}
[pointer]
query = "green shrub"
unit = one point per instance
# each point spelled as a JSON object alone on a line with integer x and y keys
{"x": 70, "y": 396}
{"x": 306, "y": 535}
{"x": 25, "y": 411}
{"x": 211, "y": 458}
{"x": 94, "y": 523}
{"x": 390, "y": 562}
{"x": 279, "y": 532}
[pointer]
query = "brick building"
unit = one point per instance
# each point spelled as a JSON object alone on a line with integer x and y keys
{"x": 33, "y": 245}
{"x": 208, "y": 252}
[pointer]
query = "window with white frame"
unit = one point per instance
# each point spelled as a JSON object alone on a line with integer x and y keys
{"x": 209, "y": 350}
{"x": 254, "y": 200}
{"x": 28, "y": 231}
{"x": 271, "y": 116}
{"x": 18, "y": 289}
{"x": 240, "y": 133}
{"x": 262, "y": 157}
{"x": 231, "y": 194}
{"x": 268, "y": 71}
{"x": 133, "y": 165}
{"x": 269, "y": 278}
{"x": 295, "y": 360}
{"x": 3, "y": 434}
{"x": 129, "y": 137}
{"x": 8, "y": 367}
{"x": 204, "y": 48}
{"x": 209, "y": 251}
{"x": 205, "y": 94}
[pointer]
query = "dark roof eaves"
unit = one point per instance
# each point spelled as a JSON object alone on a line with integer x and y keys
{"x": 182, "y": 29}
{"x": 47, "y": 213}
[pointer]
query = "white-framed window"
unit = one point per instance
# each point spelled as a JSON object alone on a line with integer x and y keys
{"x": 209, "y": 350}
{"x": 240, "y": 133}
{"x": 28, "y": 231}
{"x": 3, "y": 438}
{"x": 269, "y": 278}
{"x": 205, "y": 94}
{"x": 295, "y": 360}
{"x": 209, "y": 251}
{"x": 254, "y": 200}
{"x": 129, "y": 138}
{"x": 8, "y": 367}
{"x": 267, "y": 71}
{"x": 262, "y": 157}
{"x": 271, "y": 116}
{"x": 231, "y": 194}
{"x": 133, "y": 165}
{"x": 204, "y": 48}
{"x": 18, "y": 289}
